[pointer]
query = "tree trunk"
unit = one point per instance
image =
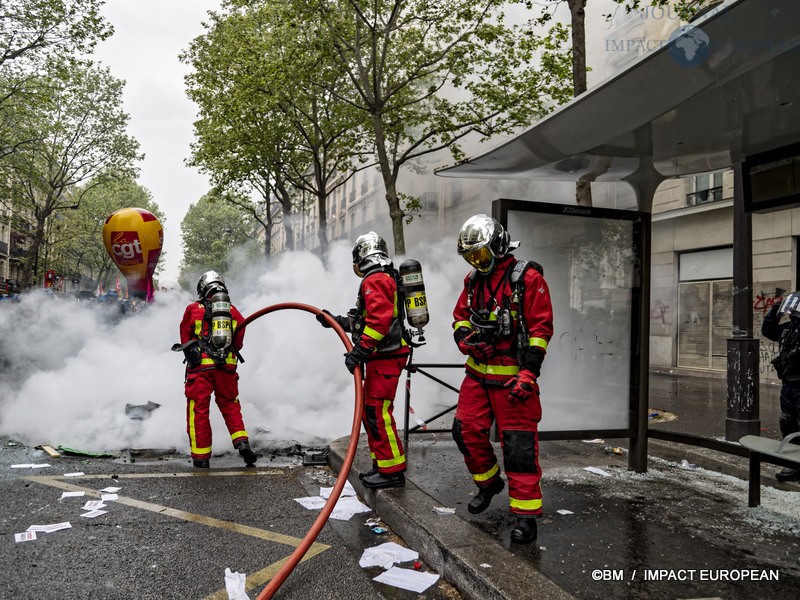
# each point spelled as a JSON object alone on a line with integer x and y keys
{"x": 28, "y": 268}
{"x": 396, "y": 213}
{"x": 583, "y": 189}
{"x": 288, "y": 213}
{"x": 322, "y": 229}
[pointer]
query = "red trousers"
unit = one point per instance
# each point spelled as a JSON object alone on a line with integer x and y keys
{"x": 199, "y": 387}
{"x": 517, "y": 424}
{"x": 380, "y": 385}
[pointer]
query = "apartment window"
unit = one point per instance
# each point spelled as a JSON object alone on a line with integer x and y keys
{"x": 705, "y": 304}
{"x": 707, "y": 188}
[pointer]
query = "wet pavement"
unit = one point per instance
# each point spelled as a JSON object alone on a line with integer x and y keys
{"x": 681, "y": 530}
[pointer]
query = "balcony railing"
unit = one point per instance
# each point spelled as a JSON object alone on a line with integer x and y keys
{"x": 704, "y": 196}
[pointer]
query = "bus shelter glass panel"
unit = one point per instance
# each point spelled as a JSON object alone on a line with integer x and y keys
{"x": 590, "y": 264}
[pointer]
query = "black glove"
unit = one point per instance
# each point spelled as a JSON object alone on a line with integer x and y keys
{"x": 355, "y": 357}
{"x": 521, "y": 387}
{"x": 532, "y": 360}
{"x": 343, "y": 322}
{"x": 469, "y": 343}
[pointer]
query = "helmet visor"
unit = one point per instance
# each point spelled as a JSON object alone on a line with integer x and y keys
{"x": 481, "y": 258}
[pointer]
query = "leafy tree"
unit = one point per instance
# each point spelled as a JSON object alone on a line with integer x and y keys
{"x": 211, "y": 231}
{"x": 428, "y": 74}
{"x": 270, "y": 115}
{"x": 76, "y": 240}
{"x": 35, "y": 29}
{"x": 34, "y": 36}
{"x": 82, "y": 143}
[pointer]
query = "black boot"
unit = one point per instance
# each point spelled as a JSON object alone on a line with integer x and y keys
{"x": 379, "y": 480}
{"x": 370, "y": 473}
{"x": 201, "y": 463}
{"x": 788, "y": 475}
{"x": 246, "y": 453}
{"x": 484, "y": 496}
{"x": 524, "y": 530}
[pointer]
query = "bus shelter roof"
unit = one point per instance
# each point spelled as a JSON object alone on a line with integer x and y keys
{"x": 726, "y": 88}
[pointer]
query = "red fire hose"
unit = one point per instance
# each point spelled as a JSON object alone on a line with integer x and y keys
{"x": 322, "y": 518}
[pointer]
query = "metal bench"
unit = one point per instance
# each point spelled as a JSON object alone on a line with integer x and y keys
{"x": 776, "y": 452}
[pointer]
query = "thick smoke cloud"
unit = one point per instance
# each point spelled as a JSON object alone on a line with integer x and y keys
{"x": 68, "y": 371}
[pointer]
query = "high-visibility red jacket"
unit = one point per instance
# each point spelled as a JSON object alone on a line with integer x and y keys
{"x": 492, "y": 291}
{"x": 195, "y": 326}
{"x": 377, "y": 303}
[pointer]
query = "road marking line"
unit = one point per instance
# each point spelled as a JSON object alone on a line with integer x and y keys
{"x": 180, "y": 514}
{"x": 257, "y": 579}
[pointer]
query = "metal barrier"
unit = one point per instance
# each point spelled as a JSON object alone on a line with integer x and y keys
{"x": 418, "y": 368}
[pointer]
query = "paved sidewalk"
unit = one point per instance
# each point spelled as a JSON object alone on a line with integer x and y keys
{"x": 681, "y": 530}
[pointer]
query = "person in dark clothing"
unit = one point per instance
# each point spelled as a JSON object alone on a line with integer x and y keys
{"x": 787, "y": 365}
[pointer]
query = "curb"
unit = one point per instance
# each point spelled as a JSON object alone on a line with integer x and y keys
{"x": 447, "y": 543}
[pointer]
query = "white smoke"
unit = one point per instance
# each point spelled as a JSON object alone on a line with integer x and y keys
{"x": 69, "y": 371}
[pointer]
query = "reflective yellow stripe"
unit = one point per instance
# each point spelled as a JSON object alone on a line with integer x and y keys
{"x": 198, "y": 328}
{"x": 238, "y": 434}
{"x": 385, "y": 464}
{"x": 373, "y": 334}
{"x": 525, "y": 504}
{"x": 488, "y": 475}
{"x": 492, "y": 369}
{"x": 466, "y": 324}
{"x": 394, "y": 308}
{"x": 192, "y": 433}
{"x": 389, "y": 430}
{"x": 229, "y": 360}
{"x": 538, "y": 342}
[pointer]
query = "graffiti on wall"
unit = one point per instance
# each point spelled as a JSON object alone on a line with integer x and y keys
{"x": 658, "y": 311}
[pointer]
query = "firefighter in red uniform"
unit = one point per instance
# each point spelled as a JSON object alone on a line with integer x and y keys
{"x": 379, "y": 346}
{"x": 211, "y": 341}
{"x": 503, "y": 321}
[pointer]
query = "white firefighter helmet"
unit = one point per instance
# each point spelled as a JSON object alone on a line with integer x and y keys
{"x": 791, "y": 305}
{"x": 481, "y": 240}
{"x": 369, "y": 252}
{"x": 209, "y": 283}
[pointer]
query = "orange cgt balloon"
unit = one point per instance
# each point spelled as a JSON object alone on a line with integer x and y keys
{"x": 133, "y": 238}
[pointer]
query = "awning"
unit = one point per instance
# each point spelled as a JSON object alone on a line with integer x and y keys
{"x": 682, "y": 109}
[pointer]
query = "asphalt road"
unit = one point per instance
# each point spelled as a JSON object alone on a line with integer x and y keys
{"x": 174, "y": 530}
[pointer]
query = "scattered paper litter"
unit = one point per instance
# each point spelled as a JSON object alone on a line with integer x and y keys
{"x": 29, "y": 466}
{"x": 348, "y": 506}
{"x": 94, "y": 513}
{"x": 594, "y": 441}
{"x": 93, "y": 505}
{"x": 108, "y": 497}
{"x": 50, "y": 528}
{"x": 443, "y": 510}
{"x": 311, "y": 502}
{"x": 76, "y": 474}
{"x": 235, "y": 585}
{"x": 71, "y": 495}
{"x": 486, "y": 565}
{"x": 386, "y": 555}
{"x": 597, "y": 471}
{"x": 407, "y": 579}
{"x": 564, "y": 511}
{"x": 25, "y": 536}
{"x": 347, "y": 490}
{"x": 111, "y": 490}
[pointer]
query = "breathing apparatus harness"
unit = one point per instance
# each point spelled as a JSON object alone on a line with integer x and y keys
{"x": 397, "y": 333}
{"x": 496, "y": 322}
{"x": 216, "y": 338}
